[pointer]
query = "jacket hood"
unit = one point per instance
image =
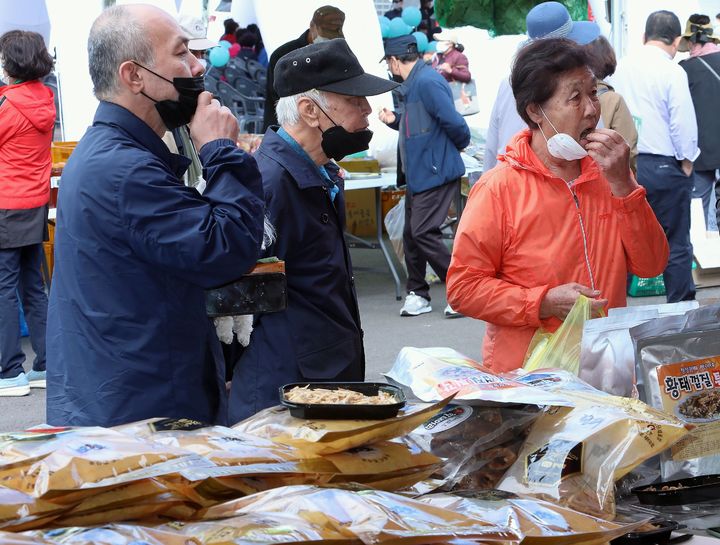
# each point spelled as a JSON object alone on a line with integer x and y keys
{"x": 34, "y": 101}
{"x": 519, "y": 154}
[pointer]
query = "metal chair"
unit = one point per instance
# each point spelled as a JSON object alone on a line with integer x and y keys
{"x": 248, "y": 87}
{"x": 254, "y": 68}
{"x": 248, "y": 110}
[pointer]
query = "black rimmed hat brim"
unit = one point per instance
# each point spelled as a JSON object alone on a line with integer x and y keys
{"x": 363, "y": 85}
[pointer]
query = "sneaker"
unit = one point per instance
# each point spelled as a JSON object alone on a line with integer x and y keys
{"x": 17, "y": 386}
{"x": 450, "y": 313}
{"x": 37, "y": 379}
{"x": 415, "y": 305}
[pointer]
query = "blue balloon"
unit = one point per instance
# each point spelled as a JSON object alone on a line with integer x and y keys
{"x": 412, "y": 16}
{"x": 422, "y": 41}
{"x": 384, "y": 27}
{"x": 431, "y": 47}
{"x": 219, "y": 56}
{"x": 225, "y": 44}
{"x": 398, "y": 28}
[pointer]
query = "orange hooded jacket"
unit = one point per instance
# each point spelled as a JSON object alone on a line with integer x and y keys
{"x": 525, "y": 231}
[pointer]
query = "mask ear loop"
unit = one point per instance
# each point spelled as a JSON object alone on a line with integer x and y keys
{"x": 553, "y": 126}
{"x": 326, "y": 115}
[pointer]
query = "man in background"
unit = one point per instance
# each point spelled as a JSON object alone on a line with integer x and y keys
{"x": 656, "y": 90}
{"x": 431, "y": 135}
{"x": 326, "y": 24}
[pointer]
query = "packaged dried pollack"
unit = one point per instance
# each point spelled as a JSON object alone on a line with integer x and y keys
{"x": 679, "y": 358}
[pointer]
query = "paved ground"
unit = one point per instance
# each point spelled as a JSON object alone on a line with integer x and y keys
{"x": 385, "y": 332}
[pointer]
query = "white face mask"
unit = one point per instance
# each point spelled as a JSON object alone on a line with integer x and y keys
{"x": 562, "y": 145}
{"x": 442, "y": 47}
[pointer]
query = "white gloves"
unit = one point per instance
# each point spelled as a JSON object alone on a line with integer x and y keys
{"x": 241, "y": 326}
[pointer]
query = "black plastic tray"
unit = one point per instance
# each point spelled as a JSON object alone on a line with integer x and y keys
{"x": 341, "y": 411}
{"x": 659, "y": 536}
{"x": 693, "y": 490}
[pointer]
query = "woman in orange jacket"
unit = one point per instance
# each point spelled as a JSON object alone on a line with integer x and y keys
{"x": 560, "y": 215}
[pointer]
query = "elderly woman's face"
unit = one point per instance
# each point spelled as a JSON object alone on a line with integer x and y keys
{"x": 574, "y": 109}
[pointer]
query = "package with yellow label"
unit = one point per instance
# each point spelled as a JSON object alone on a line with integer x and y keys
{"x": 53, "y": 465}
{"x": 110, "y": 534}
{"x": 223, "y": 446}
{"x": 386, "y": 465}
{"x": 679, "y": 358}
{"x": 319, "y": 437}
{"x": 573, "y": 456}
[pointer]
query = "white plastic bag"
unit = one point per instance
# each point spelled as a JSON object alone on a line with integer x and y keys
{"x": 394, "y": 225}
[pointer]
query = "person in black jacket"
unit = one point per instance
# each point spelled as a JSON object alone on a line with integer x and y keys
{"x": 703, "y": 71}
{"x": 326, "y": 24}
{"x": 323, "y": 115}
{"x": 396, "y": 11}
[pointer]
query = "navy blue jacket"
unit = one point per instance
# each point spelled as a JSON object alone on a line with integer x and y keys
{"x": 318, "y": 337}
{"x": 127, "y": 336}
{"x": 432, "y": 133}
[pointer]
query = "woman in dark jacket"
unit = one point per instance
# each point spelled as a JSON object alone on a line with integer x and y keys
{"x": 27, "y": 118}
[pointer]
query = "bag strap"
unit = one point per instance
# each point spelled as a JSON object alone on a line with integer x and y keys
{"x": 709, "y": 68}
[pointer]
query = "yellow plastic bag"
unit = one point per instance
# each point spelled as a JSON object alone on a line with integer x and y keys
{"x": 560, "y": 350}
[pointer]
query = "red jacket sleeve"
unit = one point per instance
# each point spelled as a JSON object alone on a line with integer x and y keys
{"x": 473, "y": 286}
{"x": 460, "y": 69}
{"x": 9, "y": 121}
{"x": 644, "y": 241}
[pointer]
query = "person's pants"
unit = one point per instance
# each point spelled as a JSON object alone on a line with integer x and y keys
{"x": 20, "y": 273}
{"x": 422, "y": 239}
{"x": 704, "y": 184}
{"x": 669, "y": 192}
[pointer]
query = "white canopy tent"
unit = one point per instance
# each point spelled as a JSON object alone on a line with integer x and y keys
{"x": 65, "y": 27}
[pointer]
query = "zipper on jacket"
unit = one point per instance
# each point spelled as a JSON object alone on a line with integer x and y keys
{"x": 584, "y": 235}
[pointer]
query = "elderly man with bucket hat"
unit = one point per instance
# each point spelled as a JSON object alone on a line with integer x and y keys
{"x": 323, "y": 115}
{"x": 431, "y": 135}
{"x": 546, "y": 20}
{"x": 326, "y": 24}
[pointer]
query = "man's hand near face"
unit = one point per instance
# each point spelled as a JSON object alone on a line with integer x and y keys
{"x": 212, "y": 122}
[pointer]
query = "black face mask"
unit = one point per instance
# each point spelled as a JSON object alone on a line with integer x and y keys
{"x": 338, "y": 142}
{"x": 176, "y": 113}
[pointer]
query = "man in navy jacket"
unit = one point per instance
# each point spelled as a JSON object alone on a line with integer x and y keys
{"x": 128, "y": 336}
{"x": 323, "y": 115}
{"x": 432, "y": 134}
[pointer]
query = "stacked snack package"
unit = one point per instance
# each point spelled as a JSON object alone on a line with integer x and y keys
{"x": 574, "y": 451}
{"x": 573, "y": 456}
{"x": 87, "y": 475}
{"x": 478, "y": 443}
{"x": 607, "y": 359}
{"x": 436, "y": 373}
{"x": 311, "y": 514}
{"x": 538, "y": 521}
{"x": 679, "y": 358}
{"x": 318, "y": 437}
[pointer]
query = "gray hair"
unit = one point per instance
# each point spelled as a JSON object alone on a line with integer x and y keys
{"x": 116, "y": 36}
{"x": 287, "y": 107}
